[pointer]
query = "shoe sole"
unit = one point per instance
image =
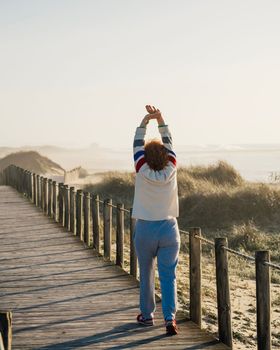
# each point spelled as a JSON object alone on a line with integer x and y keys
{"x": 146, "y": 324}
{"x": 171, "y": 330}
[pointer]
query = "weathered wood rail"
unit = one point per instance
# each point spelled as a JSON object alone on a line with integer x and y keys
{"x": 79, "y": 212}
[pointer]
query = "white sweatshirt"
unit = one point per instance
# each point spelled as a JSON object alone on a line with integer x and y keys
{"x": 156, "y": 192}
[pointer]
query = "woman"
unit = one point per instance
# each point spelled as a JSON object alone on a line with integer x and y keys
{"x": 155, "y": 209}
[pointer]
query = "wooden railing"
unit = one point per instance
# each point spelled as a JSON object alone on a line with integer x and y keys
{"x": 75, "y": 210}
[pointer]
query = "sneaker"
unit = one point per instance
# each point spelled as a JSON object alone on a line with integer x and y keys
{"x": 171, "y": 327}
{"x": 145, "y": 321}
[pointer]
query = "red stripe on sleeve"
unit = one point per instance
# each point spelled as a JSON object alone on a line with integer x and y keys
{"x": 140, "y": 163}
{"x": 172, "y": 159}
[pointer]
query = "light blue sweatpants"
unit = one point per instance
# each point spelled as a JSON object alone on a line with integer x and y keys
{"x": 161, "y": 240}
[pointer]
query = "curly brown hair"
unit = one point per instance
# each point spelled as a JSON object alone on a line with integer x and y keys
{"x": 156, "y": 155}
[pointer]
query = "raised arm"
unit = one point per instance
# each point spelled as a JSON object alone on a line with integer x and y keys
{"x": 167, "y": 141}
{"x": 139, "y": 138}
{"x": 138, "y": 144}
{"x": 164, "y": 132}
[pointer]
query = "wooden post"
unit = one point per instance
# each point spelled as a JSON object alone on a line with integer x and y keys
{"x": 16, "y": 178}
{"x": 27, "y": 187}
{"x": 55, "y": 205}
{"x": 25, "y": 183}
{"x": 263, "y": 300}
{"x": 96, "y": 222}
{"x": 50, "y": 198}
{"x": 107, "y": 225}
{"x": 66, "y": 206}
{"x": 30, "y": 185}
{"x": 42, "y": 193}
{"x": 133, "y": 256}
{"x": 46, "y": 195}
{"x": 37, "y": 190}
{"x": 8, "y": 176}
{"x": 60, "y": 202}
{"x": 12, "y": 179}
{"x": 73, "y": 210}
{"x": 195, "y": 276}
{"x": 22, "y": 181}
{"x": 33, "y": 188}
{"x": 15, "y": 175}
{"x": 6, "y": 330}
{"x": 223, "y": 291}
{"x": 120, "y": 235}
{"x": 87, "y": 218}
{"x": 4, "y": 177}
{"x": 79, "y": 215}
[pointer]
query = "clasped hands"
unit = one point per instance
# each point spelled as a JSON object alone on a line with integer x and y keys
{"x": 154, "y": 113}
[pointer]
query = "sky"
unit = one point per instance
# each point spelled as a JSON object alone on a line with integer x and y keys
{"x": 73, "y": 73}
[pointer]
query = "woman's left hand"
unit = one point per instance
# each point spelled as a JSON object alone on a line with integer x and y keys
{"x": 155, "y": 113}
{"x": 145, "y": 121}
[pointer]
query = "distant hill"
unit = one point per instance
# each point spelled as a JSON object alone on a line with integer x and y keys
{"x": 92, "y": 157}
{"x": 32, "y": 161}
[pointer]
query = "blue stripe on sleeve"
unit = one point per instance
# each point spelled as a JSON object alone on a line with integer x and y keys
{"x": 138, "y": 155}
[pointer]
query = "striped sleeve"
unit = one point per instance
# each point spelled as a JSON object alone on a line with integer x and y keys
{"x": 167, "y": 141}
{"x": 138, "y": 148}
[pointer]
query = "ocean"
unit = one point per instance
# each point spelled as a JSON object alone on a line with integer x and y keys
{"x": 256, "y": 162}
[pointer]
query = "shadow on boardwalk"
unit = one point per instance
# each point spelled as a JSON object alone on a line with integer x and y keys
{"x": 63, "y": 296}
{"x": 125, "y": 331}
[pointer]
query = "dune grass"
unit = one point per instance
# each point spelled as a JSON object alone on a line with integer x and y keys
{"x": 217, "y": 199}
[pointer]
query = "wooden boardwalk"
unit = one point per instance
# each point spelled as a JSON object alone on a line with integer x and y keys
{"x": 65, "y": 297}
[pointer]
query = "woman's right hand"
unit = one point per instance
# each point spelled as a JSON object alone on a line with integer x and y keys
{"x": 155, "y": 113}
{"x": 145, "y": 121}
